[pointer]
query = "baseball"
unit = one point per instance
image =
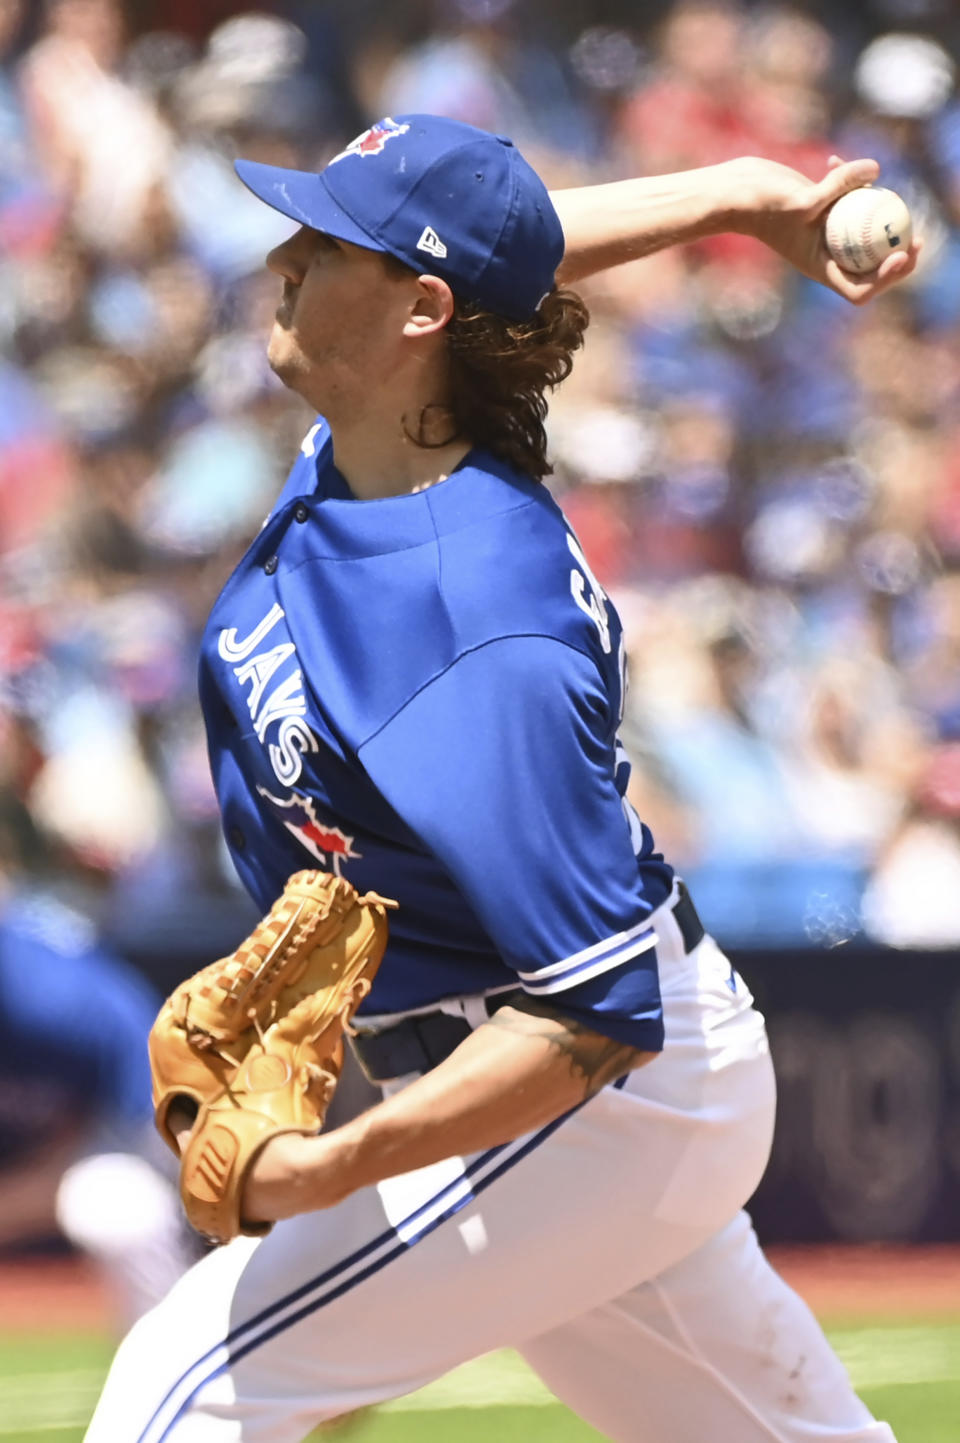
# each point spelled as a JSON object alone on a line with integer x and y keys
{"x": 865, "y": 225}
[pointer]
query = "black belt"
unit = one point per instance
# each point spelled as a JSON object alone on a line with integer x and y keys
{"x": 416, "y": 1044}
{"x": 686, "y": 917}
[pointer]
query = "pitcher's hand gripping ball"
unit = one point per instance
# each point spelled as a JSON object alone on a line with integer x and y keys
{"x": 866, "y": 225}
{"x": 255, "y": 1040}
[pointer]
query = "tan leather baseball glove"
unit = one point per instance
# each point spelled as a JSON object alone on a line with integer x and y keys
{"x": 255, "y": 1040}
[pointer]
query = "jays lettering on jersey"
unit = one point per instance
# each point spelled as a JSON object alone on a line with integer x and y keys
{"x": 422, "y": 692}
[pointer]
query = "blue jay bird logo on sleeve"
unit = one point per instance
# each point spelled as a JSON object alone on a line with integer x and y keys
{"x": 327, "y": 843}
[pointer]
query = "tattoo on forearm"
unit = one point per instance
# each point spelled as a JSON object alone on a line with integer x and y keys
{"x": 594, "y": 1060}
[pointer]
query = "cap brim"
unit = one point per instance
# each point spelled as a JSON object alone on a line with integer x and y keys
{"x": 304, "y": 198}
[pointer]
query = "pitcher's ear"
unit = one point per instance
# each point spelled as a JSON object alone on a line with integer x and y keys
{"x": 432, "y": 309}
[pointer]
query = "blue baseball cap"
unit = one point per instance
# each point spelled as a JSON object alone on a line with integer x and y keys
{"x": 441, "y": 196}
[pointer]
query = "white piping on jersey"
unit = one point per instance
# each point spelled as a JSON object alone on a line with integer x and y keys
{"x": 667, "y": 905}
{"x": 537, "y": 981}
{"x": 622, "y": 947}
{"x": 585, "y": 970}
{"x": 587, "y": 954}
{"x": 635, "y": 825}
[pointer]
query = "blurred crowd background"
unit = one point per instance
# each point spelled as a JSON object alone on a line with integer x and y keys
{"x": 766, "y": 480}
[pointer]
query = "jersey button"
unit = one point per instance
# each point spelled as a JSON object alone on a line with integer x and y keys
{"x": 236, "y": 839}
{"x": 270, "y": 565}
{"x": 300, "y": 512}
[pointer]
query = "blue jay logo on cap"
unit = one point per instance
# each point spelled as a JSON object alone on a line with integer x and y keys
{"x": 372, "y": 141}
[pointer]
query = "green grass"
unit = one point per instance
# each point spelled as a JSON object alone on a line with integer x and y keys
{"x": 907, "y": 1370}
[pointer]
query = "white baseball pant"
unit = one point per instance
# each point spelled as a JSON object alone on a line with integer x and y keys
{"x": 610, "y": 1248}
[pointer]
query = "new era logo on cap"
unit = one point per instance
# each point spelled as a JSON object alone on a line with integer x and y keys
{"x": 431, "y": 243}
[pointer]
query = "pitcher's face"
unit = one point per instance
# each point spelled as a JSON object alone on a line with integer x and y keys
{"x": 340, "y": 320}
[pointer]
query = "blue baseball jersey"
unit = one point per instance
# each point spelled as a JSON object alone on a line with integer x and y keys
{"x": 422, "y": 693}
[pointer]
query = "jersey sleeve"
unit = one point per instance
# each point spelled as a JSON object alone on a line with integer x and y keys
{"x": 504, "y": 767}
